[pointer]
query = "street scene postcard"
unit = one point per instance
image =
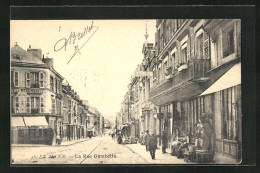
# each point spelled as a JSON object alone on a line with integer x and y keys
{"x": 157, "y": 91}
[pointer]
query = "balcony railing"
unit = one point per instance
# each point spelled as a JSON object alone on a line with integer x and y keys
{"x": 35, "y": 110}
{"x": 200, "y": 67}
{"x": 35, "y": 86}
{"x": 196, "y": 71}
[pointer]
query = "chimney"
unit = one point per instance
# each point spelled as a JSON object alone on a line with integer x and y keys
{"x": 48, "y": 61}
{"x": 37, "y": 53}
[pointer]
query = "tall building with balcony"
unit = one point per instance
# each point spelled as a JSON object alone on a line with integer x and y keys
{"x": 36, "y": 97}
{"x": 197, "y": 73}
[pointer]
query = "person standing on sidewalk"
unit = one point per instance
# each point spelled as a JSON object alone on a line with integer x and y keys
{"x": 146, "y": 139}
{"x": 164, "y": 142}
{"x": 152, "y": 145}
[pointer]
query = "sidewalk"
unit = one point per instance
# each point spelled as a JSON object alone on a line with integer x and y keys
{"x": 63, "y": 143}
{"x": 160, "y": 158}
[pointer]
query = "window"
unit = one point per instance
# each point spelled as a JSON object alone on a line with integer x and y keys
{"x": 41, "y": 80}
{"x": 229, "y": 114}
{"x": 16, "y": 76}
{"x": 35, "y": 80}
{"x": 35, "y": 104}
{"x": 199, "y": 47}
{"x": 58, "y": 91}
{"x": 16, "y": 104}
{"x": 53, "y": 106}
{"x": 12, "y": 78}
{"x": 28, "y": 104}
{"x": 42, "y": 105}
{"x": 56, "y": 85}
{"x": 164, "y": 68}
{"x": 28, "y": 81}
{"x": 228, "y": 41}
{"x": 159, "y": 75}
{"x": 174, "y": 60}
{"x": 51, "y": 83}
{"x": 184, "y": 53}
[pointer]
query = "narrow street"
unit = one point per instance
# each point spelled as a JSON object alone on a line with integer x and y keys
{"x": 97, "y": 150}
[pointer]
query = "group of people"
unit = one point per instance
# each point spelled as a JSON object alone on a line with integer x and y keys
{"x": 150, "y": 142}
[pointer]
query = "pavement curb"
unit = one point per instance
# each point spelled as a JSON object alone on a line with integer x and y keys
{"x": 49, "y": 145}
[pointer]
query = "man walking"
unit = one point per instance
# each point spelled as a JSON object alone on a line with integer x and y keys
{"x": 146, "y": 139}
{"x": 164, "y": 142}
{"x": 152, "y": 145}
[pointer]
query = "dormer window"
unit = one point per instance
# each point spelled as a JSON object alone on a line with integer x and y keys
{"x": 16, "y": 56}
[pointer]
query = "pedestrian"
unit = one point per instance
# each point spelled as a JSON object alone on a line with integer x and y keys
{"x": 164, "y": 142}
{"x": 112, "y": 135}
{"x": 152, "y": 145}
{"x": 146, "y": 139}
{"x": 119, "y": 139}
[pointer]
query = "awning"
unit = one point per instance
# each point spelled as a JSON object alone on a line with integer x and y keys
{"x": 35, "y": 121}
{"x": 231, "y": 78}
{"x": 17, "y": 122}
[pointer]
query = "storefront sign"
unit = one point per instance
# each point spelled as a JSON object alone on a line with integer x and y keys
{"x": 29, "y": 91}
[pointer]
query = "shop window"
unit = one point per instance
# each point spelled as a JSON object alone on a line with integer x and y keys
{"x": 28, "y": 104}
{"x": 28, "y": 81}
{"x": 228, "y": 41}
{"x": 199, "y": 47}
{"x": 229, "y": 114}
{"x": 42, "y": 105}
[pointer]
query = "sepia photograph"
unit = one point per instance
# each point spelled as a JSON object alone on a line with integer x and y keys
{"x": 125, "y": 91}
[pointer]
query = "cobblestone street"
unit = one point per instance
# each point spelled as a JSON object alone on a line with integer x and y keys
{"x": 98, "y": 150}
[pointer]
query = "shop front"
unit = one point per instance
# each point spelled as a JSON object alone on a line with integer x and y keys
{"x": 31, "y": 130}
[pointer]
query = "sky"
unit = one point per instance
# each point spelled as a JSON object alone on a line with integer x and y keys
{"x": 102, "y": 69}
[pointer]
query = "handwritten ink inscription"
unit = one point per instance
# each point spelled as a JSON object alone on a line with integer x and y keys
{"x": 74, "y": 38}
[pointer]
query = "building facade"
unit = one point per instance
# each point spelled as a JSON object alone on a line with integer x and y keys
{"x": 36, "y": 97}
{"x": 192, "y": 73}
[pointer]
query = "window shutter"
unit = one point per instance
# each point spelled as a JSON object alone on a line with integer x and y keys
{"x": 205, "y": 46}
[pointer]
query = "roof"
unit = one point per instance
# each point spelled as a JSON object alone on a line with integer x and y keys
{"x": 24, "y": 56}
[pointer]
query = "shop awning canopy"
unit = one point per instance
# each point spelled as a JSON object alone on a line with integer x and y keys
{"x": 231, "y": 78}
{"x": 17, "y": 122}
{"x": 35, "y": 121}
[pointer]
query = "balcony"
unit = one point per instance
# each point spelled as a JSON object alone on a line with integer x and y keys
{"x": 183, "y": 84}
{"x": 168, "y": 73}
{"x": 200, "y": 67}
{"x": 182, "y": 66}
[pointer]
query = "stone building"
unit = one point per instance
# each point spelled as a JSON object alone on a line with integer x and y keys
{"x": 36, "y": 97}
{"x": 197, "y": 73}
